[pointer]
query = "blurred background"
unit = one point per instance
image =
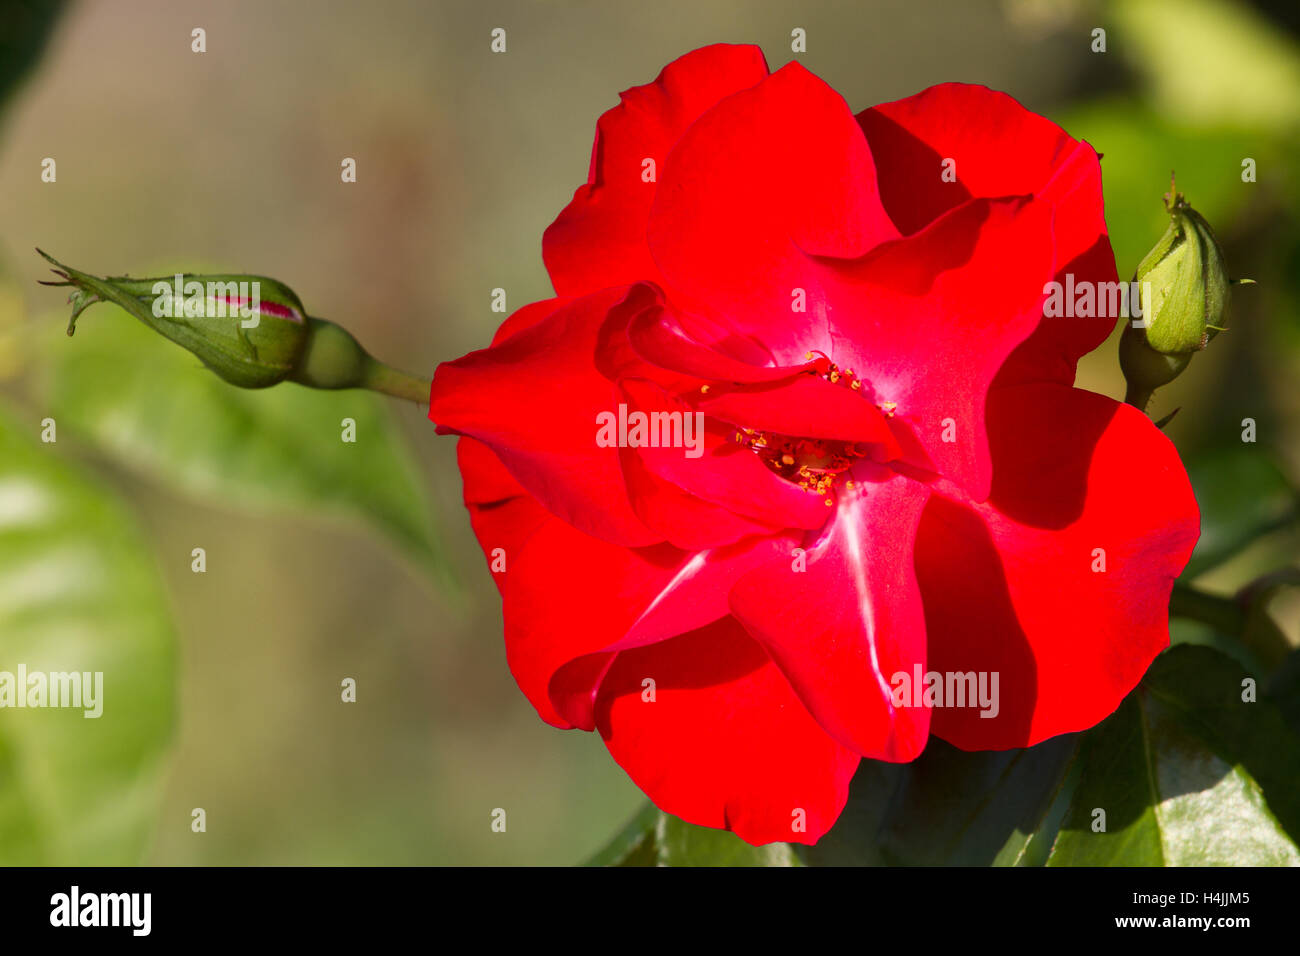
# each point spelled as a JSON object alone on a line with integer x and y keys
{"x": 326, "y": 560}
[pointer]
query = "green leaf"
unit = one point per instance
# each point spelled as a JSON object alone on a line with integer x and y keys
{"x": 78, "y": 593}
{"x": 684, "y": 844}
{"x": 1242, "y": 495}
{"x": 654, "y": 838}
{"x": 153, "y": 406}
{"x": 1004, "y": 800}
{"x": 951, "y": 807}
{"x": 635, "y": 843}
{"x": 1187, "y": 774}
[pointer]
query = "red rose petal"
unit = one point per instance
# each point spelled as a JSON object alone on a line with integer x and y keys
{"x": 569, "y": 595}
{"x": 1083, "y": 257}
{"x": 841, "y": 629}
{"x": 533, "y": 399}
{"x": 697, "y": 346}
{"x": 599, "y": 239}
{"x": 999, "y": 148}
{"x": 928, "y": 320}
{"x": 502, "y": 514}
{"x": 686, "y": 521}
{"x": 735, "y": 478}
{"x": 485, "y": 479}
{"x": 804, "y": 406}
{"x": 725, "y": 742}
{"x": 525, "y": 317}
{"x": 1009, "y": 585}
{"x": 766, "y": 178}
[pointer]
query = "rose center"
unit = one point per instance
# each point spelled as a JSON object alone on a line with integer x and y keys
{"x": 814, "y": 464}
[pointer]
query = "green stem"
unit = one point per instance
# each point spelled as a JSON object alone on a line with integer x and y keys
{"x": 379, "y": 377}
{"x": 333, "y": 358}
{"x": 1226, "y": 615}
{"x": 1138, "y": 398}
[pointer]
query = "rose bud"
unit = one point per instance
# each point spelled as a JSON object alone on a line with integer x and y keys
{"x": 249, "y": 330}
{"x": 1183, "y": 288}
{"x": 252, "y": 331}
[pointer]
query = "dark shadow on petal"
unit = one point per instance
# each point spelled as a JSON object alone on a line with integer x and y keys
{"x": 719, "y": 653}
{"x": 910, "y": 265}
{"x": 1047, "y": 355}
{"x": 910, "y": 174}
{"x": 1042, "y": 483}
{"x": 971, "y": 624}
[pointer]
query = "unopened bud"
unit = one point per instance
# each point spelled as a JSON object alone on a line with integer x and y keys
{"x": 1184, "y": 284}
{"x": 251, "y": 330}
{"x": 1184, "y": 297}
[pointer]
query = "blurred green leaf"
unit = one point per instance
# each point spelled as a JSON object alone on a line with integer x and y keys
{"x": 1242, "y": 495}
{"x": 27, "y": 27}
{"x": 78, "y": 593}
{"x": 1139, "y": 150}
{"x": 1188, "y": 774}
{"x": 654, "y": 838}
{"x": 153, "y": 406}
{"x": 1212, "y": 61}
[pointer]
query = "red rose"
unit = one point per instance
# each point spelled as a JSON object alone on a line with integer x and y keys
{"x": 894, "y": 475}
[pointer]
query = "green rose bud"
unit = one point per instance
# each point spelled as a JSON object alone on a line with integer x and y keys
{"x": 1183, "y": 283}
{"x": 252, "y": 331}
{"x": 1183, "y": 288}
